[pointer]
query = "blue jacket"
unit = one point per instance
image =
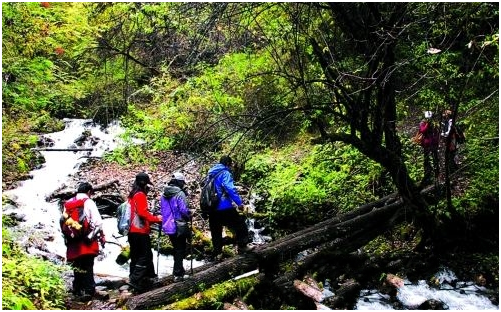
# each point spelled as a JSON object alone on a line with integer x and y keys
{"x": 173, "y": 206}
{"x": 224, "y": 181}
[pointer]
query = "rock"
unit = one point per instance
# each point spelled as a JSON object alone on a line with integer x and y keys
{"x": 433, "y": 304}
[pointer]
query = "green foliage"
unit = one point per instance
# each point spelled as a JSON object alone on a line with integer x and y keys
{"x": 29, "y": 282}
{"x": 312, "y": 184}
{"x": 397, "y": 241}
{"x": 39, "y": 44}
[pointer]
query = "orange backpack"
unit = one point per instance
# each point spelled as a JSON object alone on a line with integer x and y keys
{"x": 74, "y": 224}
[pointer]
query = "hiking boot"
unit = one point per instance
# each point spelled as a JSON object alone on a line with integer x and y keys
{"x": 83, "y": 297}
{"x": 246, "y": 248}
{"x": 135, "y": 287}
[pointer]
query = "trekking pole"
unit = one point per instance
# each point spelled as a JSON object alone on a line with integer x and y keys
{"x": 191, "y": 244}
{"x": 158, "y": 248}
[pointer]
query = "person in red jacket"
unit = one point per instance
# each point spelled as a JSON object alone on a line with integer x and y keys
{"x": 80, "y": 253}
{"x": 430, "y": 146}
{"x": 142, "y": 269}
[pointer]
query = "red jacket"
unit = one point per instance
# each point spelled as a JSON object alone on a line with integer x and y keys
{"x": 81, "y": 248}
{"x": 141, "y": 217}
{"x": 430, "y": 135}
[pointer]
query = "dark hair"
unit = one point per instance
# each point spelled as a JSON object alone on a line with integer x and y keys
{"x": 138, "y": 188}
{"x": 140, "y": 184}
{"x": 84, "y": 187}
{"x": 226, "y": 160}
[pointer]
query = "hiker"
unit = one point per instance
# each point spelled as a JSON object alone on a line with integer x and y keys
{"x": 142, "y": 270}
{"x": 174, "y": 206}
{"x": 449, "y": 131}
{"x": 429, "y": 143}
{"x": 81, "y": 252}
{"x": 226, "y": 214}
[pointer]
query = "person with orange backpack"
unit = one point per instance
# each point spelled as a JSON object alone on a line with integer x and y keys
{"x": 81, "y": 224}
{"x": 429, "y": 142}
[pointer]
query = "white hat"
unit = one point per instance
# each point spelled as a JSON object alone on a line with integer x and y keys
{"x": 178, "y": 176}
{"x": 428, "y": 114}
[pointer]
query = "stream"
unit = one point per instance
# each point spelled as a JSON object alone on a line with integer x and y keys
{"x": 41, "y": 218}
{"x": 41, "y": 223}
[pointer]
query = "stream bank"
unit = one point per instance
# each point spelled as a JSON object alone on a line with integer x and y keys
{"x": 365, "y": 268}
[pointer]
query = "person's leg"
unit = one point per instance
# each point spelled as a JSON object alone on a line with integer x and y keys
{"x": 216, "y": 232}
{"x": 134, "y": 255}
{"x": 427, "y": 167}
{"x": 179, "y": 246}
{"x": 89, "y": 285}
{"x": 77, "y": 277}
{"x": 144, "y": 258}
{"x": 150, "y": 271}
{"x": 237, "y": 224}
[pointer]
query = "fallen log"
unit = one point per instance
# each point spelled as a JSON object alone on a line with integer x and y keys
{"x": 197, "y": 282}
{"x": 345, "y": 296}
{"x": 274, "y": 253}
{"x": 65, "y": 194}
{"x": 348, "y": 231}
{"x": 51, "y": 149}
{"x": 208, "y": 299}
{"x": 308, "y": 291}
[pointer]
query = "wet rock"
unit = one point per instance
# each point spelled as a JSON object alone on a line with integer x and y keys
{"x": 45, "y": 142}
{"x": 432, "y": 304}
{"x": 8, "y": 208}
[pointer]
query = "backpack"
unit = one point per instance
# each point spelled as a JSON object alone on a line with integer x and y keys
{"x": 124, "y": 218}
{"x": 208, "y": 198}
{"x": 417, "y": 138}
{"x": 74, "y": 223}
{"x": 460, "y": 138}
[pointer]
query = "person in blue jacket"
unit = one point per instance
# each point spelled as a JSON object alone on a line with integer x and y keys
{"x": 174, "y": 206}
{"x": 226, "y": 213}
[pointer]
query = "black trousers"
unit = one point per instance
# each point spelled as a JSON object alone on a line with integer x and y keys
{"x": 141, "y": 259}
{"x": 231, "y": 219}
{"x": 179, "y": 245}
{"x": 83, "y": 271}
{"x": 430, "y": 165}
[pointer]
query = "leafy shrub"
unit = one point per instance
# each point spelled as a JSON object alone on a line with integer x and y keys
{"x": 313, "y": 184}
{"x": 29, "y": 282}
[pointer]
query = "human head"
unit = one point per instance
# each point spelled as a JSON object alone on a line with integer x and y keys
{"x": 178, "y": 179}
{"x": 226, "y": 160}
{"x": 142, "y": 179}
{"x": 178, "y": 176}
{"x": 447, "y": 113}
{"x": 85, "y": 187}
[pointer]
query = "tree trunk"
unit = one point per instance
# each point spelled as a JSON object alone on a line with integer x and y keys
{"x": 65, "y": 194}
{"x": 50, "y": 149}
{"x": 345, "y": 228}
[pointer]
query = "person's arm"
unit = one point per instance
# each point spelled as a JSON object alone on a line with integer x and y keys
{"x": 423, "y": 127}
{"x": 182, "y": 204}
{"x": 142, "y": 208}
{"x": 230, "y": 188}
{"x": 94, "y": 216}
